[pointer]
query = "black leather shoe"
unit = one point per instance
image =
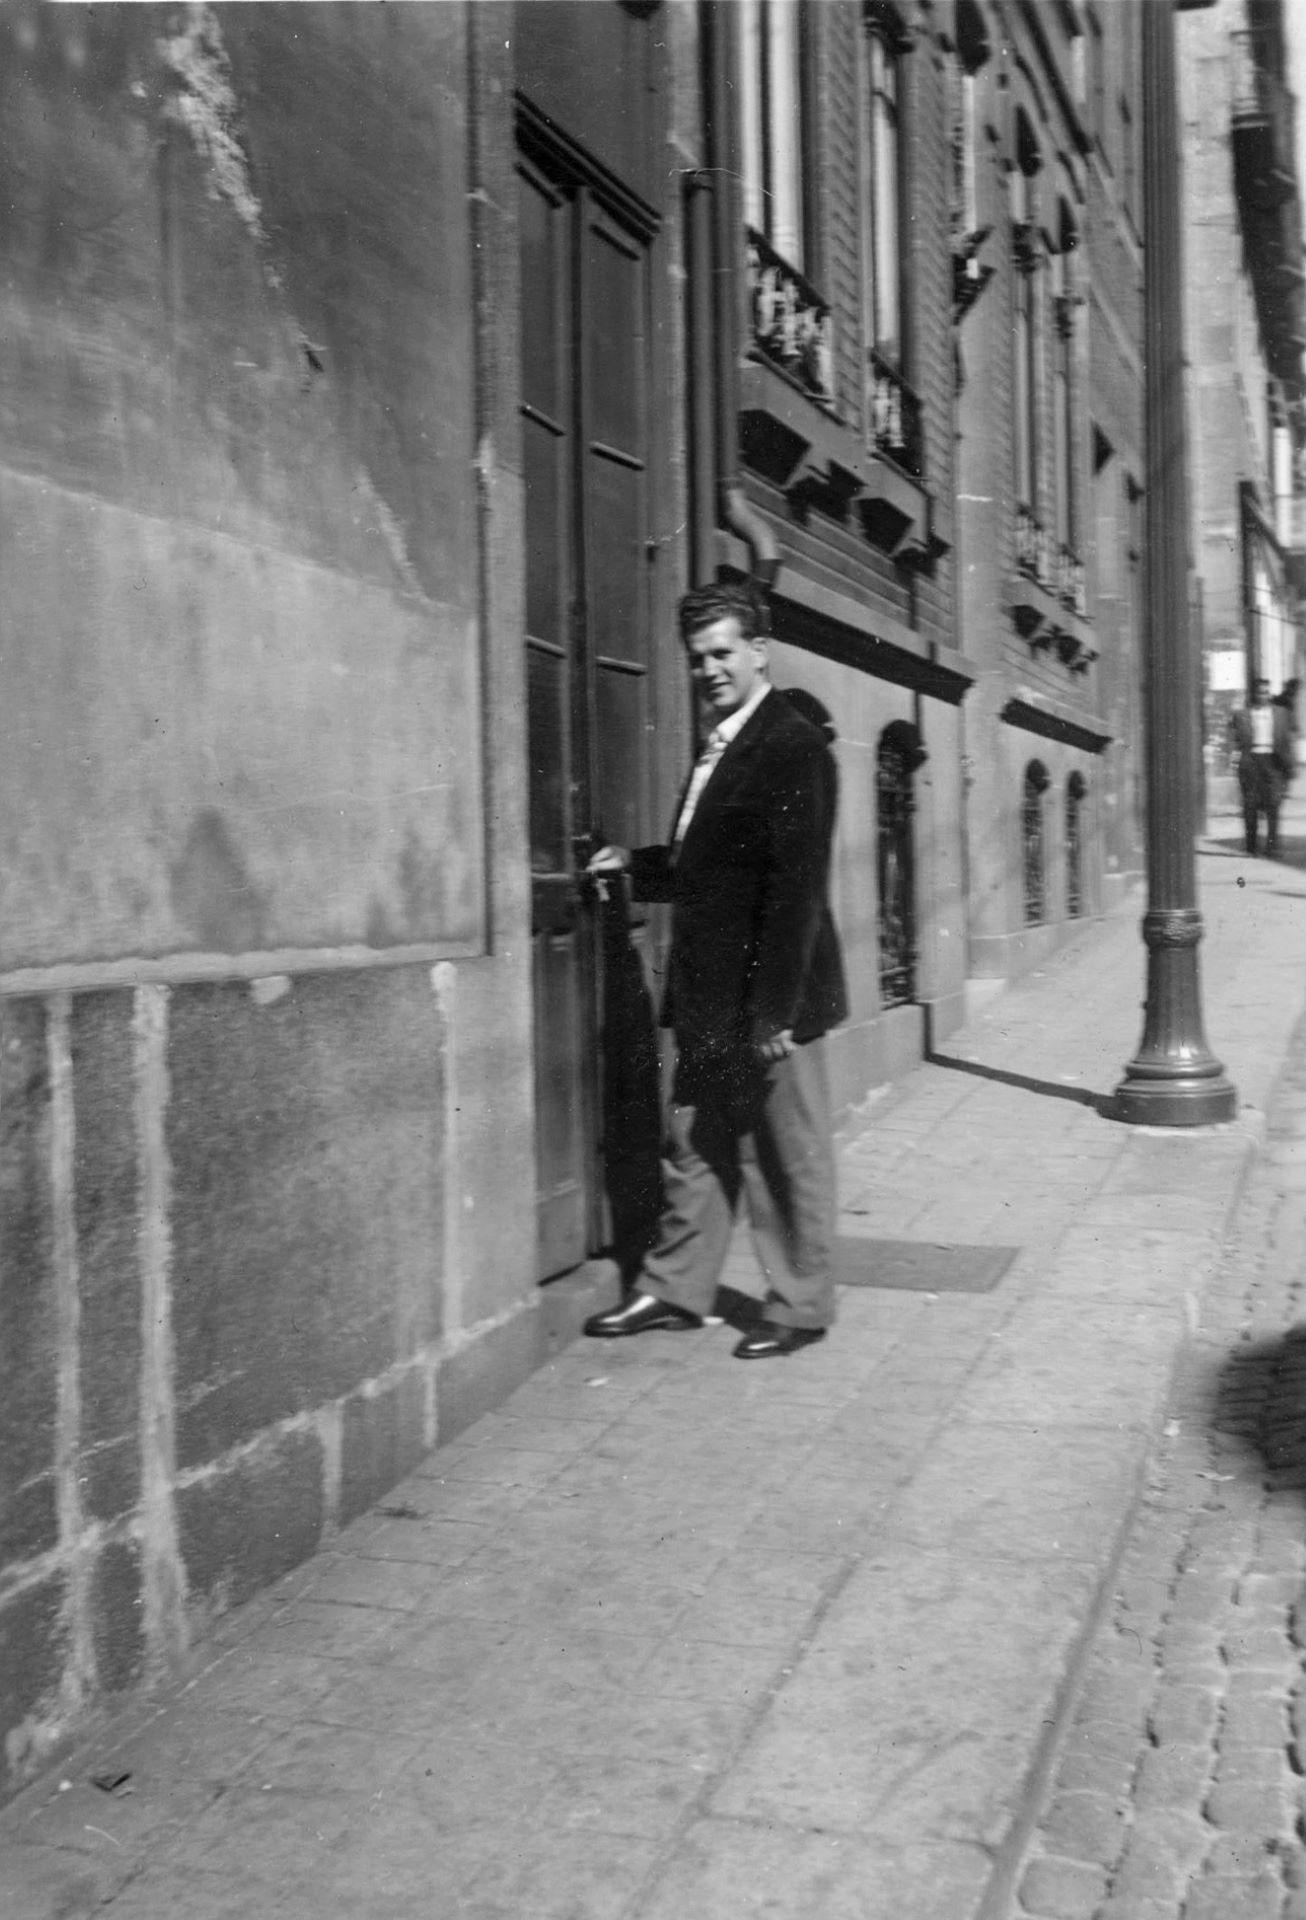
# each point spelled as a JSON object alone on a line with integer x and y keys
{"x": 767, "y": 1339}
{"x": 645, "y": 1313}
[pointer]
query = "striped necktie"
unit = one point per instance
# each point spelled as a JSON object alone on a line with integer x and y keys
{"x": 698, "y": 779}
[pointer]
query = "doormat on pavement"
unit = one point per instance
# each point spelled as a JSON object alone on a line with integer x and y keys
{"x": 919, "y": 1266}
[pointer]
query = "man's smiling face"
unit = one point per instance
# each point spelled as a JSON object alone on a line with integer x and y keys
{"x": 727, "y": 668}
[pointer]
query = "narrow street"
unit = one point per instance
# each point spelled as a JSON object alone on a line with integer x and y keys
{"x": 540, "y": 536}
{"x": 1179, "y": 1793}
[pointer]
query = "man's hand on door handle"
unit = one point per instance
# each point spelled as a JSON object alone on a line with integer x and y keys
{"x": 608, "y": 860}
{"x": 604, "y": 863}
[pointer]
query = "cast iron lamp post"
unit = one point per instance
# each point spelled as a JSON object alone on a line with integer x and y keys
{"x": 1174, "y": 1080}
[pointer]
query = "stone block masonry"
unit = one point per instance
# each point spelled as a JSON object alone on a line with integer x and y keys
{"x": 221, "y": 1227}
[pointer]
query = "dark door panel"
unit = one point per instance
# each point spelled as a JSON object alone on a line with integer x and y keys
{"x": 588, "y": 554}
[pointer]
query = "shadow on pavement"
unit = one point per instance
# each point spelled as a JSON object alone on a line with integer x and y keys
{"x": 1260, "y": 1400}
{"x": 631, "y": 1087}
{"x": 1292, "y": 851}
{"x": 742, "y": 1311}
{"x": 1082, "y": 1096}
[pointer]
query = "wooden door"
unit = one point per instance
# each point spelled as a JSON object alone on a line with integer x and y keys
{"x": 585, "y": 433}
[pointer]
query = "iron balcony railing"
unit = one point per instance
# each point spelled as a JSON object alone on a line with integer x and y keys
{"x": 791, "y": 323}
{"x": 1033, "y": 548}
{"x": 1072, "y": 588}
{"x": 1056, "y": 567}
{"x": 1258, "y": 93}
{"x": 893, "y": 414}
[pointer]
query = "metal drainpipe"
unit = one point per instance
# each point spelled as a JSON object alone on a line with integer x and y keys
{"x": 702, "y": 414}
{"x": 723, "y": 165}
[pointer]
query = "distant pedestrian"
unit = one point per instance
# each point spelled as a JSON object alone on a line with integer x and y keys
{"x": 754, "y": 980}
{"x": 1263, "y": 739}
{"x": 1287, "y": 699}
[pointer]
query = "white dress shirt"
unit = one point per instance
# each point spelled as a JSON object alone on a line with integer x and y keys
{"x": 717, "y": 742}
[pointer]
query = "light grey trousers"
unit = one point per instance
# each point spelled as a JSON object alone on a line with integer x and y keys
{"x": 776, "y": 1149}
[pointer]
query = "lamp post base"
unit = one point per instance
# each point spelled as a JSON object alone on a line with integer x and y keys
{"x": 1174, "y": 1080}
{"x": 1174, "y": 1102}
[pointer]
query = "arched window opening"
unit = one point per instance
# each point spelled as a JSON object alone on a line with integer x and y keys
{"x": 1032, "y": 841}
{"x": 896, "y": 762}
{"x": 1076, "y": 789}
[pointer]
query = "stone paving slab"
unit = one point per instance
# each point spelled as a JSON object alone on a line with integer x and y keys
{"x": 885, "y": 1730}
{"x": 777, "y": 1872}
{"x": 668, "y": 1635}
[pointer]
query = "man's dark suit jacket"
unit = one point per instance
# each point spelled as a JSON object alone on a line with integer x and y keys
{"x": 753, "y": 945}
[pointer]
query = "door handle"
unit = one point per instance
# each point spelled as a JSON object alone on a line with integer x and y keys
{"x": 589, "y": 886}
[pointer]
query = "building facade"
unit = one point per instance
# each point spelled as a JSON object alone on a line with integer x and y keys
{"x": 374, "y": 381}
{"x": 1050, "y": 432}
{"x": 1245, "y": 331}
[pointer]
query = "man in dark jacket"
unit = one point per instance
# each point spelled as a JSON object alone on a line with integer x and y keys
{"x": 754, "y": 980}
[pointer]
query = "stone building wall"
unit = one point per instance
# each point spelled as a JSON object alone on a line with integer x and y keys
{"x": 266, "y": 1160}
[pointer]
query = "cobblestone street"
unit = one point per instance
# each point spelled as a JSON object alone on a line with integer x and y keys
{"x": 1178, "y": 1795}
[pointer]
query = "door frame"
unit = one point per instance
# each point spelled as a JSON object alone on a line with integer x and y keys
{"x": 560, "y": 166}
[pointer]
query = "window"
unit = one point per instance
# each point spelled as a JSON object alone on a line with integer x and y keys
{"x": 893, "y": 408}
{"x": 1027, "y": 347}
{"x": 1076, "y": 788}
{"x": 1096, "y": 57}
{"x": 973, "y": 49}
{"x": 791, "y": 322}
{"x": 1065, "y": 303}
{"x": 1107, "y": 520}
{"x": 883, "y": 199}
{"x": 771, "y": 116}
{"x": 965, "y": 138}
{"x": 969, "y": 276}
{"x": 1034, "y": 854}
{"x": 1034, "y": 542}
{"x": 1023, "y": 330}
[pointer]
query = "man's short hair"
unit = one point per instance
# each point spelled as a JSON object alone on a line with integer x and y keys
{"x": 721, "y": 601}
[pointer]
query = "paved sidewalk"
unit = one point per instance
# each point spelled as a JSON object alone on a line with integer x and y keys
{"x": 672, "y": 1637}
